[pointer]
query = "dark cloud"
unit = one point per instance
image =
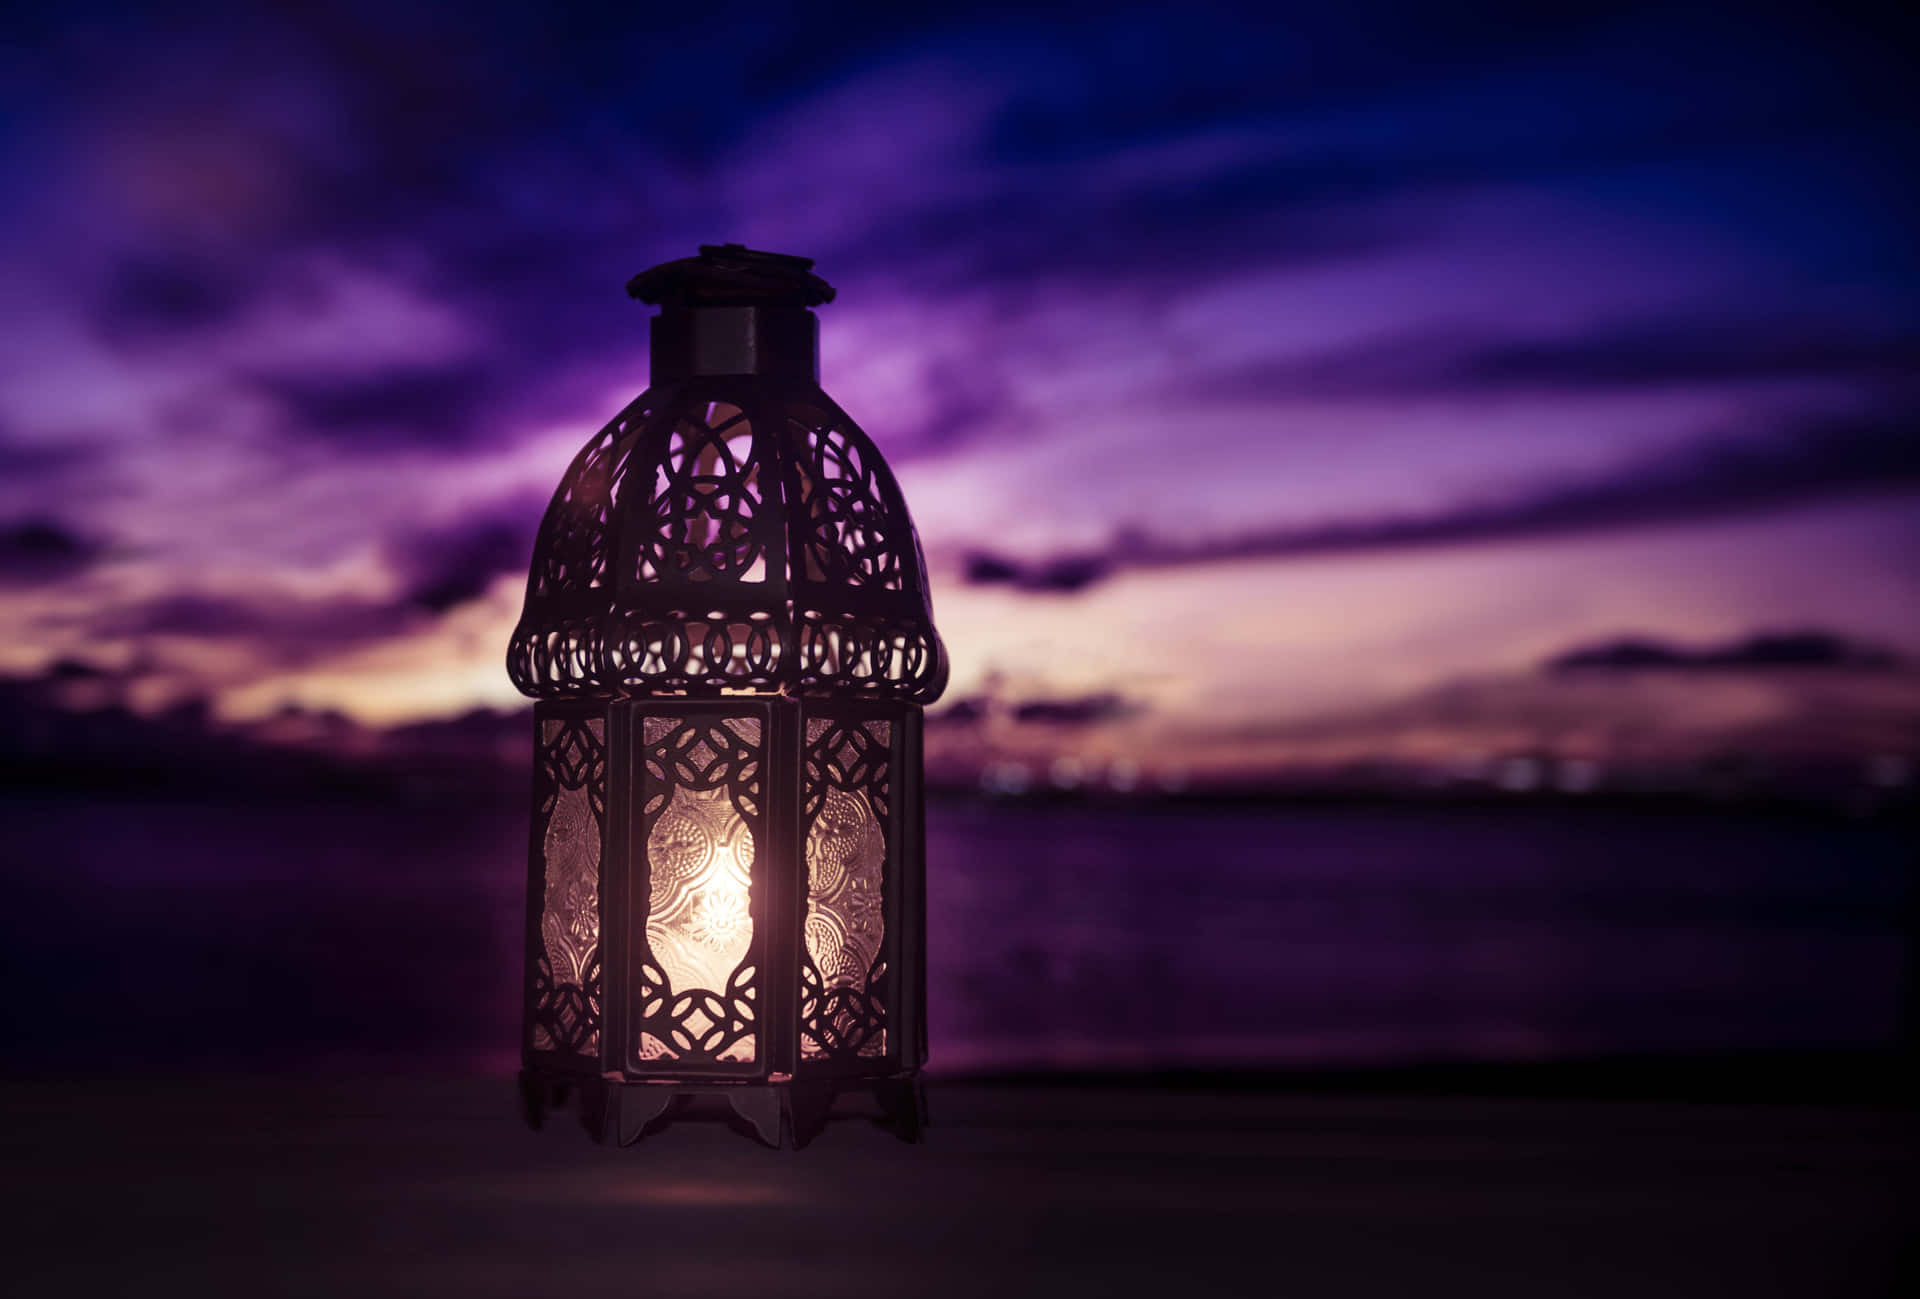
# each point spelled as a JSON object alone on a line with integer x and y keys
{"x": 433, "y": 405}
{"x": 969, "y": 711}
{"x": 448, "y": 566}
{"x": 71, "y": 669}
{"x": 1824, "y": 460}
{"x": 157, "y": 299}
{"x": 43, "y": 459}
{"x": 387, "y": 130}
{"x": 1763, "y": 652}
{"x": 1695, "y": 352}
{"x": 204, "y": 616}
{"x": 284, "y": 630}
{"x": 1643, "y": 354}
{"x": 1338, "y": 156}
{"x": 1132, "y": 236}
{"x": 522, "y": 207}
{"x": 35, "y": 551}
{"x": 1060, "y": 576}
{"x": 1064, "y": 711}
{"x": 1078, "y": 710}
{"x": 71, "y": 726}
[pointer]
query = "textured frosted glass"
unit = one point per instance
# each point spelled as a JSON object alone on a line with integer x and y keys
{"x": 698, "y": 923}
{"x": 568, "y": 1014}
{"x": 696, "y": 988}
{"x": 845, "y": 925}
{"x": 571, "y": 923}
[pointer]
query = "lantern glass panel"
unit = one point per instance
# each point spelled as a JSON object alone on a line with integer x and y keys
{"x": 570, "y": 813}
{"x": 843, "y": 1007}
{"x": 696, "y": 983}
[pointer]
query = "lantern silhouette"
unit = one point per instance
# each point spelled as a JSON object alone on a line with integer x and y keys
{"x": 729, "y": 639}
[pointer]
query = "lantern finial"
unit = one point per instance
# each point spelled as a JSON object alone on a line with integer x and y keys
{"x": 732, "y": 275}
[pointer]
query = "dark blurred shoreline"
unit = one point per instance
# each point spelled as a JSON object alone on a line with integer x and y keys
{"x": 301, "y": 779}
{"x": 71, "y": 732}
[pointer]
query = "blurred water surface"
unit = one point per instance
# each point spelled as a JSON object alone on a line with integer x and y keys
{"x": 312, "y": 935}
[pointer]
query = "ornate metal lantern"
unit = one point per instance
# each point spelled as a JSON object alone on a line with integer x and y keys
{"x": 728, "y": 635}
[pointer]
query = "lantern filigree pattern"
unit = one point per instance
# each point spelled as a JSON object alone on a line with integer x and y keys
{"x": 850, "y": 535}
{"x": 697, "y": 988}
{"x": 707, "y": 503}
{"x": 574, "y": 559}
{"x": 843, "y": 970}
{"x": 744, "y": 561}
{"x": 728, "y": 635}
{"x": 566, "y": 1012}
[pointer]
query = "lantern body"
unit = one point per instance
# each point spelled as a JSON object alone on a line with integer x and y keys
{"x": 728, "y": 633}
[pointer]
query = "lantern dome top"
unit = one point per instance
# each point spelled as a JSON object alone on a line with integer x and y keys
{"x": 732, "y": 530}
{"x": 732, "y": 275}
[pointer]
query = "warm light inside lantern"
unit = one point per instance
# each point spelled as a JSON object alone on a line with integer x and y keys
{"x": 699, "y": 921}
{"x": 699, "y": 928}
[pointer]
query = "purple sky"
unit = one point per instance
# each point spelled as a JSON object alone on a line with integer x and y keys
{"x": 1305, "y": 379}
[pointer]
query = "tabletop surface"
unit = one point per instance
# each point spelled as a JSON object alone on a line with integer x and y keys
{"x": 414, "y": 1186}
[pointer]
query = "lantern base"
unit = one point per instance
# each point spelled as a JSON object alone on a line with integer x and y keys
{"x": 787, "y": 1114}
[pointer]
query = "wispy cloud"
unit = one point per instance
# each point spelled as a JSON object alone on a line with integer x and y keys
{"x": 1712, "y": 479}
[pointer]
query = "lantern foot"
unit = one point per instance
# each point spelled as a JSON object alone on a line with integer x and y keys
{"x": 534, "y": 1100}
{"x": 761, "y": 1107}
{"x": 640, "y": 1106}
{"x": 808, "y": 1105}
{"x": 540, "y": 1096}
{"x": 903, "y": 1103}
{"x": 596, "y": 1105}
{"x": 785, "y": 1113}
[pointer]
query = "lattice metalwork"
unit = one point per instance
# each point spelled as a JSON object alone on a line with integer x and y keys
{"x": 709, "y": 521}
{"x": 847, "y": 533}
{"x": 572, "y": 559}
{"x": 696, "y": 984}
{"x": 572, "y": 815}
{"x": 728, "y": 630}
{"x": 736, "y": 537}
{"x": 843, "y": 967}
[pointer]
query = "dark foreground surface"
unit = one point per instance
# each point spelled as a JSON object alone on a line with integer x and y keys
{"x": 412, "y": 1187}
